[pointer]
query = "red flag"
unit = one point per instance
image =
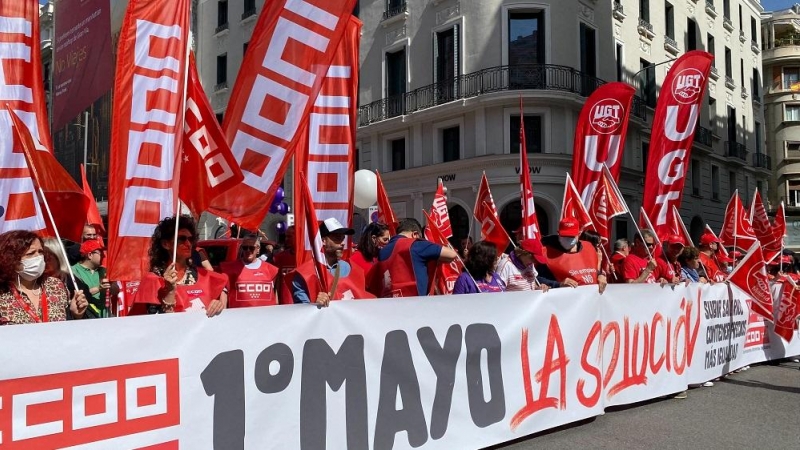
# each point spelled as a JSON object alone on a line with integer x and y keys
{"x": 763, "y": 229}
{"x": 750, "y": 275}
{"x": 208, "y": 166}
{"x": 788, "y": 310}
{"x": 720, "y": 248}
{"x": 93, "y": 216}
{"x": 385, "y": 213}
{"x": 326, "y": 153}
{"x": 679, "y": 228}
{"x": 736, "y": 229}
{"x": 311, "y": 237}
{"x": 779, "y": 227}
{"x": 147, "y": 130}
{"x": 530, "y": 224}
{"x": 606, "y": 203}
{"x": 674, "y": 124}
{"x": 484, "y": 195}
{"x": 572, "y": 205}
{"x": 492, "y": 230}
{"x": 439, "y": 214}
{"x": 22, "y": 88}
{"x": 66, "y": 200}
{"x": 446, "y": 274}
{"x": 290, "y": 53}
{"x": 600, "y": 136}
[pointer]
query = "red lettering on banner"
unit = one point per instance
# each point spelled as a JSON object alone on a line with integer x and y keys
{"x": 591, "y": 400}
{"x": 630, "y": 375}
{"x": 612, "y": 362}
{"x": 655, "y": 365}
{"x": 75, "y": 408}
{"x": 550, "y": 366}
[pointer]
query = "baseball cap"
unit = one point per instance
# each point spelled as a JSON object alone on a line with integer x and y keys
{"x": 534, "y": 247}
{"x": 90, "y": 246}
{"x": 568, "y": 227}
{"x": 329, "y": 226}
{"x": 675, "y": 239}
{"x": 707, "y": 238}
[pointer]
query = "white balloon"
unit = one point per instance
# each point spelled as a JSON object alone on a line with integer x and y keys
{"x": 365, "y": 189}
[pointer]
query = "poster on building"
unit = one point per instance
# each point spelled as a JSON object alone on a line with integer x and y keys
{"x": 83, "y": 67}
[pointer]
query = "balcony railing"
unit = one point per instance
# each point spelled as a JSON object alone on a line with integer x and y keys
{"x": 714, "y": 73}
{"x": 787, "y": 41}
{"x": 671, "y": 44}
{"x": 710, "y": 9}
{"x": 249, "y": 12}
{"x": 763, "y": 161}
{"x": 703, "y": 136}
{"x": 221, "y": 28}
{"x": 646, "y": 28}
{"x": 546, "y": 77}
{"x": 736, "y": 150}
{"x": 727, "y": 23}
{"x": 729, "y": 82}
{"x": 617, "y": 9}
{"x": 394, "y": 10}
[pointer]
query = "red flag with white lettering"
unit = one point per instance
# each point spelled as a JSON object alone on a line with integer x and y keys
{"x": 484, "y": 195}
{"x": 678, "y": 227}
{"x": 147, "y": 130}
{"x": 606, "y": 203}
{"x": 311, "y": 238}
{"x": 327, "y": 154}
{"x": 572, "y": 205}
{"x": 530, "y": 224}
{"x": 492, "y": 230}
{"x": 22, "y": 89}
{"x": 788, "y": 311}
{"x": 93, "y": 216}
{"x": 290, "y": 52}
{"x": 600, "y": 136}
{"x": 750, "y": 275}
{"x": 763, "y": 228}
{"x": 674, "y": 125}
{"x": 736, "y": 229}
{"x": 208, "y": 165}
{"x": 385, "y": 212}
{"x": 68, "y": 204}
{"x": 439, "y": 214}
{"x": 446, "y": 274}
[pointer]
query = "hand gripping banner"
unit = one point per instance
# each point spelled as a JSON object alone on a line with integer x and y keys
{"x": 600, "y": 136}
{"x": 147, "y": 129}
{"x": 22, "y": 89}
{"x": 671, "y": 140}
{"x": 287, "y": 60}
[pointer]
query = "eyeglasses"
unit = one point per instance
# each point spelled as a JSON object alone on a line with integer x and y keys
{"x": 185, "y": 239}
{"x": 650, "y": 244}
{"x": 249, "y": 248}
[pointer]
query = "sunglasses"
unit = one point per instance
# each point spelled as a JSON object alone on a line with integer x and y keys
{"x": 185, "y": 239}
{"x": 249, "y": 248}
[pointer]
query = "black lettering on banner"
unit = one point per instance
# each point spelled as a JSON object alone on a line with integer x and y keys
{"x": 266, "y": 382}
{"x": 223, "y": 379}
{"x": 321, "y": 368}
{"x": 479, "y": 337}
{"x": 398, "y": 373}
{"x": 443, "y": 360}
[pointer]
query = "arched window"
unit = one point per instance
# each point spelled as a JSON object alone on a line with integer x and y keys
{"x": 459, "y": 221}
{"x": 511, "y": 218}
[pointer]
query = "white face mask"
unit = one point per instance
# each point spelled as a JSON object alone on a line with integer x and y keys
{"x": 567, "y": 242}
{"x": 32, "y": 268}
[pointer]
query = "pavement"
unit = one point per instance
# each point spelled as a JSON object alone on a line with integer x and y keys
{"x": 758, "y": 408}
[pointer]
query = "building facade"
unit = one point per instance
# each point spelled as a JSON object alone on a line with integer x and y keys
{"x": 781, "y": 58}
{"x": 441, "y": 83}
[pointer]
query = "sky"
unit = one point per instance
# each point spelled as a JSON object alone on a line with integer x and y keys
{"x": 777, "y": 5}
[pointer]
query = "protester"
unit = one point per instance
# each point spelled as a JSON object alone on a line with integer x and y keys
{"x": 375, "y": 237}
{"x": 268, "y": 252}
{"x": 517, "y": 269}
{"x": 573, "y": 262}
{"x": 179, "y": 286}
{"x": 708, "y": 252}
{"x": 406, "y": 263}
{"x": 90, "y": 275}
{"x": 464, "y": 246}
{"x": 689, "y": 259}
{"x": 347, "y": 282}
{"x": 668, "y": 266}
{"x": 74, "y": 251}
{"x": 621, "y": 250}
{"x": 286, "y": 261}
{"x": 640, "y": 266}
{"x": 27, "y": 294}
{"x": 725, "y": 263}
{"x": 545, "y": 275}
{"x": 56, "y": 264}
{"x": 251, "y": 280}
{"x": 480, "y": 275}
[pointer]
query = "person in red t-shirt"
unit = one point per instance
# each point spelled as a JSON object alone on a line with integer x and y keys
{"x": 668, "y": 266}
{"x": 252, "y": 281}
{"x": 375, "y": 237}
{"x": 640, "y": 266}
{"x": 572, "y": 261}
{"x": 621, "y": 250}
{"x": 708, "y": 260}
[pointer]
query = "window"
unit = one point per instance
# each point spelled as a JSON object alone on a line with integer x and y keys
{"x": 728, "y": 63}
{"x": 670, "y": 19}
{"x": 533, "y": 134}
{"x": 644, "y": 10}
{"x": 249, "y": 8}
{"x": 756, "y": 84}
{"x": 726, "y": 8}
{"x": 746, "y": 196}
{"x": 222, "y": 14}
{"x": 222, "y": 69}
{"x": 525, "y": 46}
{"x": 710, "y": 48}
{"x": 357, "y": 160}
{"x": 794, "y": 193}
{"x": 645, "y": 154}
{"x": 696, "y": 177}
{"x": 731, "y": 183}
{"x": 647, "y": 83}
{"x": 451, "y": 144}
{"x": 445, "y": 53}
{"x": 741, "y": 23}
{"x": 244, "y": 48}
{"x": 741, "y": 75}
{"x": 588, "y": 50}
{"x": 714, "y": 182}
{"x": 758, "y": 137}
{"x": 712, "y": 113}
{"x": 620, "y": 70}
{"x": 220, "y": 117}
{"x": 791, "y": 75}
{"x": 396, "y": 82}
{"x": 753, "y": 30}
{"x": 760, "y": 187}
{"x": 398, "y": 153}
{"x": 792, "y": 113}
{"x": 691, "y": 35}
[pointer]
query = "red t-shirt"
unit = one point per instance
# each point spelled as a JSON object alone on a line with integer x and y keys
{"x": 358, "y": 259}
{"x": 634, "y": 266}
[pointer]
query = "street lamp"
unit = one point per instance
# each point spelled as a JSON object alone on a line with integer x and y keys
{"x": 639, "y": 87}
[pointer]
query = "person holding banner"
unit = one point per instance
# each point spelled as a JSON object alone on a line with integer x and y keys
{"x": 708, "y": 250}
{"x": 573, "y": 262}
{"x": 689, "y": 259}
{"x": 27, "y": 294}
{"x": 480, "y": 276}
{"x": 640, "y": 266}
{"x": 622, "y": 248}
{"x": 252, "y": 280}
{"x": 668, "y": 266}
{"x": 178, "y": 286}
{"x": 373, "y": 239}
{"x": 517, "y": 269}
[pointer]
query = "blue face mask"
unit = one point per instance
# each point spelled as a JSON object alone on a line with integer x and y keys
{"x": 567, "y": 242}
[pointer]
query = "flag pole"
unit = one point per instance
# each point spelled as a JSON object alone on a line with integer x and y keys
{"x": 55, "y": 230}
{"x": 735, "y": 220}
{"x": 639, "y": 231}
{"x": 182, "y": 112}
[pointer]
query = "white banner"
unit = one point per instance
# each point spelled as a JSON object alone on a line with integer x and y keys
{"x": 435, "y": 373}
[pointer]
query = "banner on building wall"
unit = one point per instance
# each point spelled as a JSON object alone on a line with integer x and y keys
{"x": 83, "y": 64}
{"x": 497, "y": 368}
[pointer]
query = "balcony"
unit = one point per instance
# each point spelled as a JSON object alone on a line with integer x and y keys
{"x": 762, "y": 161}
{"x": 645, "y": 29}
{"x": 221, "y": 28}
{"x": 710, "y": 10}
{"x": 744, "y": 92}
{"x": 542, "y": 77}
{"x": 754, "y": 47}
{"x": 703, "y": 136}
{"x": 742, "y": 37}
{"x": 714, "y": 75}
{"x": 618, "y": 11}
{"x": 671, "y": 45}
{"x": 729, "y": 82}
{"x": 736, "y": 151}
{"x": 394, "y": 10}
{"x": 250, "y": 12}
{"x": 727, "y": 23}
